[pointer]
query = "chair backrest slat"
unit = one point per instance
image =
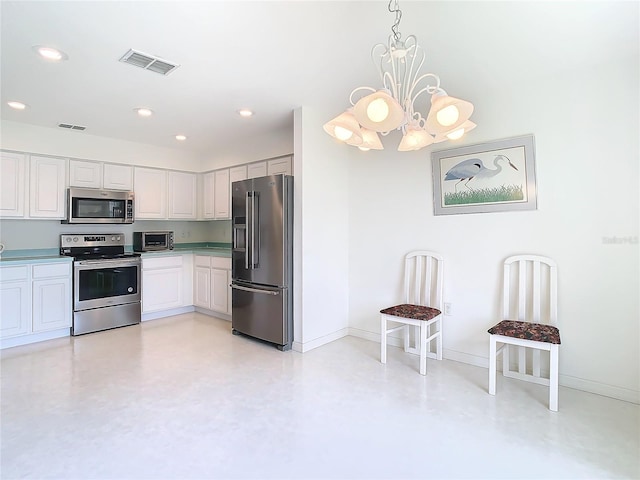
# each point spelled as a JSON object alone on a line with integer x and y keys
{"x": 423, "y": 273}
{"x": 537, "y": 296}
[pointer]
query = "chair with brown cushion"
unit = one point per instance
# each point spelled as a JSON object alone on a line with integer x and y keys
{"x": 421, "y": 308}
{"x": 530, "y": 312}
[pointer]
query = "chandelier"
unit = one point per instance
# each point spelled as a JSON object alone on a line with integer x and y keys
{"x": 393, "y": 107}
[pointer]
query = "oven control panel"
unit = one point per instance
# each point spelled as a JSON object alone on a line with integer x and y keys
{"x": 88, "y": 240}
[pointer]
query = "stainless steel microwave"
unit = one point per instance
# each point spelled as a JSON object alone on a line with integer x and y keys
{"x": 152, "y": 241}
{"x": 89, "y": 205}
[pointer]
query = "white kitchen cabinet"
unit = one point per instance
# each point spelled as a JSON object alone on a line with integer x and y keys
{"x": 166, "y": 282}
{"x": 109, "y": 176}
{"x": 35, "y": 298}
{"x": 150, "y": 186}
{"x": 279, "y": 165}
{"x": 222, "y": 194}
{"x": 47, "y": 187}
{"x": 117, "y": 177}
{"x": 12, "y": 184}
{"x": 15, "y": 301}
{"x": 237, "y": 173}
{"x": 85, "y": 174}
{"x": 209, "y": 195}
{"x": 182, "y": 195}
{"x": 258, "y": 169}
{"x": 212, "y": 277}
{"x": 52, "y": 296}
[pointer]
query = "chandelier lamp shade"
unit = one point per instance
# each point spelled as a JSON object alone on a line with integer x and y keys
{"x": 395, "y": 105}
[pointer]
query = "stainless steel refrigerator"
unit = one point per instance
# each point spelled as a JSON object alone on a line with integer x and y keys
{"x": 262, "y": 272}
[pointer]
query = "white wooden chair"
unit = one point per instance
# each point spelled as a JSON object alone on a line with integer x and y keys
{"x": 421, "y": 309}
{"x": 530, "y": 311}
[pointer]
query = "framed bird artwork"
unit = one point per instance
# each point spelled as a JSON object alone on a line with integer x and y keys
{"x": 496, "y": 176}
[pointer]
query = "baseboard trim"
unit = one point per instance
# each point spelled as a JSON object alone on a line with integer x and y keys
{"x": 568, "y": 381}
{"x": 35, "y": 337}
{"x": 213, "y": 313}
{"x": 167, "y": 313}
{"x": 318, "y": 342}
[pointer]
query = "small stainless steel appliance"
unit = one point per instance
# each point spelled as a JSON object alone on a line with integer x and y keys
{"x": 90, "y": 205}
{"x": 152, "y": 241}
{"x": 106, "y": 282}
{"x": 262, "y": 272}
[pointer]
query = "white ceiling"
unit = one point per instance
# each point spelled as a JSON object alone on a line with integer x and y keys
{"x": 274, "y": 56}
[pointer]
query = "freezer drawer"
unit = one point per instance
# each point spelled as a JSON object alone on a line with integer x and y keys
{"x": 262, "y": 312}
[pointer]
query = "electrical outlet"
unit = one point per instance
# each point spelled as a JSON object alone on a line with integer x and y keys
{"x": 448, "y": 309}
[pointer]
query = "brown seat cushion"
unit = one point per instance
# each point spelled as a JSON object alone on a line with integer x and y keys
{"x": 416, "y": 312}
{"x": 529, "y": 331}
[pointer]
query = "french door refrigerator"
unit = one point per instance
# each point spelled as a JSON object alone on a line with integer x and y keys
{"x": 262, "y": 255}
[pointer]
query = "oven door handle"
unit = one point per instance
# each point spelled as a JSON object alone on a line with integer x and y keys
{"x": 107, "y": 263}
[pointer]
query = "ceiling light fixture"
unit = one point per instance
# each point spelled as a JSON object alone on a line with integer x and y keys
{"x": 49, "y": 53}
{"x": 182, "y": 138}
{"x": 245, "y": 112}
{"x": 143, "y": 112}
{"x": 17, "y": 105}
{"x": 393, "y": 107}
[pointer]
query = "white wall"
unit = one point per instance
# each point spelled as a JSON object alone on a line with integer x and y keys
{"x": 585, "y": 123}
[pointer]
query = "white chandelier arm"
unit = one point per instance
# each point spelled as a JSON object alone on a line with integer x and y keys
{"x": 369, "y": 89}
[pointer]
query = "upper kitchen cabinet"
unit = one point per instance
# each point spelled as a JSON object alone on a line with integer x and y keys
{"x": 150, "y": 187}
{"x": 208, "y": 195}
{"x": 258, "y": 169}
{"x": 237, "y": 173}
{"x": 279, "y": 165}
{"x": 47, "y": 187}
{"x": 12, "y": 184}
{"x": 182, "y": 195}
{"x": 222, "y": 195}
{"x": 100, "y": 175}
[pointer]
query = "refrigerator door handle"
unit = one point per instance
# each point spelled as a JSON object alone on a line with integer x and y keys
{"x": 255, "y": 230}
{"x": 248, "y": 232}
{"x": 254, "y": 290}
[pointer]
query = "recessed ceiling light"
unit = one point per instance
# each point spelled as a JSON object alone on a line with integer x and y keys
{"x": 245, "y": 112}
{"x": 49, "y": 53}
{"x": 182, "y": 138}
{"x": 17, "y": 105}
{"x": 143, "y": 112}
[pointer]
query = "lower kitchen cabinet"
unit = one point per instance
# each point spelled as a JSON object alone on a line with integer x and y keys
{"x": 35, "y": 298}
{"x": 212, "y": 278}
{"x": 166, "y": 282}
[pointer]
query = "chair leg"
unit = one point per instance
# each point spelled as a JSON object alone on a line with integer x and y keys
{"x": 439, "y": 340}
{"x": 423, "y": 349}
{"x": 553, "y": 378}
{"x": 383, "y": 340}
{"x": 492, "y": 364}
{"x": 405, "y": 338}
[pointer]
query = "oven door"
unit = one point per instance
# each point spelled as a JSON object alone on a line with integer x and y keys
{"x": 103, "y": 283}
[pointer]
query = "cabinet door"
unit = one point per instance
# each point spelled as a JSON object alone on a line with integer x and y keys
{"x": 117, "y": 177}
{"x": 219, "y": 290}
{"x": 12, "y": 183}
{"x": 47, "y": 187}
{"x": 237, "y": 173}
{"x": 150, "y": 187}
{"x": 279, "y": 165}
{"x": 15, "y": 308}
{"x": 202, "y": 288}
{"x": 258, "y": 169}
{"x": 85, "y": 174}
{"x": 222, "y": 194}
{"x": 161, "y": 289}
{"x": 182, "y": 195}
{"x": 51, "y": 304}
{"x": 209, "y": 195}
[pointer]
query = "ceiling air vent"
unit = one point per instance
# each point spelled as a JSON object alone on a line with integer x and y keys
{"x": 71, "y": 127}
{"x": 149, "y": 62}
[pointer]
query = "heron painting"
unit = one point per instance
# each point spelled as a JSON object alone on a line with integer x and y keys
{"x": 490, "y": 177}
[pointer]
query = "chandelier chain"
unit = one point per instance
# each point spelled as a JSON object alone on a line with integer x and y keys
{"x": 396, "y": 24}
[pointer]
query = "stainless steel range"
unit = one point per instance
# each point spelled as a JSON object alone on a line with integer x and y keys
{"x": 106, "y": 282}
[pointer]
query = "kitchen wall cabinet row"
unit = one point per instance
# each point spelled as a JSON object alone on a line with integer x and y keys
{"x": 35, "y": 298}
{"x": 34, "y": 186}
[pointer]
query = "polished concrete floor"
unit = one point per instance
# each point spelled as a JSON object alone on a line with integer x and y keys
{"x": 182, "y": 398}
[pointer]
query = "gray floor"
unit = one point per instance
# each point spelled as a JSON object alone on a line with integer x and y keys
{"x": 183, "y": 398}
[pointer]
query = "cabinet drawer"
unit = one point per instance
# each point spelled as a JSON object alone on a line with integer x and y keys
{"x": 162, "y": 262}
{"x": 221, "y": 262}
{"x": 8, "y": 274}
{"x": 203, "y": 261}
{"x": 52, "y": 270}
